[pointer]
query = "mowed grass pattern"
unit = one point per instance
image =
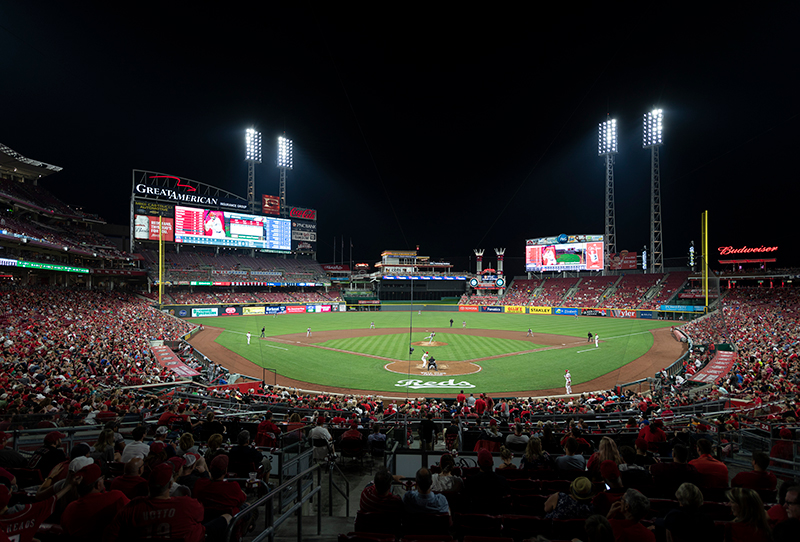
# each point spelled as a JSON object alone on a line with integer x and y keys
{"x": 623, "y": 341}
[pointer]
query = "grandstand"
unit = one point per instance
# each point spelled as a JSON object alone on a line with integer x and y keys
{"x": 629, "y": 292}
{"x": 553, "y": 291}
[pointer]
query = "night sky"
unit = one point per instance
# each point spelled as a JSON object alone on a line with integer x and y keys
{"x": 449, "y": 129}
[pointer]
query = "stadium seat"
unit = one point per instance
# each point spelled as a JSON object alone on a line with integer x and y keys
{"x": 519, "y": 527}
{"x": 375, "y": 522}
{"x": 366, "y": 537}
{"x": 477, "y": 524}
{"x": 426, "y": 524}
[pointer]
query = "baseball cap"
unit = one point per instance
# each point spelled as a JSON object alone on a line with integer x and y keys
{"x": 219, "y": 466}
{"x": 485, "y": 460}
{"x": 156, "y": 447}
{"x": 90, "y": 473}
{"x": 162, "y": 430}
{"x": 609, "y": 470}
{"x": 191, "y": 459}
{"x": 52, "y": 437}
{"x": 177, "y": 462}
{"x": 79, "y": 463}
{"x": 161, "y": 474}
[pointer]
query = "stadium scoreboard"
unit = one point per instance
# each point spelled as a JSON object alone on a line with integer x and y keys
{"x": 564, "y": 253}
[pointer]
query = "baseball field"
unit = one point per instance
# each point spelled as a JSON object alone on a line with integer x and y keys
{"x": 490, "y": 353}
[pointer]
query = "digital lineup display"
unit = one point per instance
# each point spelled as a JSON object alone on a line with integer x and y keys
{"x": 230, "y": 229}
{"x": 564, "y": 253}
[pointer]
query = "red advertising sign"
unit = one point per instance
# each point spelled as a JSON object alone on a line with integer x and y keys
{"x": 337, "y": 267}
{"x": 304, "y": 214}
{"x": 291, "y": 309}
{"x": 717, "y": 368}
{"x": 622, "y": 260}
{"x": 745, "y": 250}
{"x": 146, "y": 228}
{"x": 467, "y": 308}
{"x": 167, "y": 358}
{"x": 270, "y": 205}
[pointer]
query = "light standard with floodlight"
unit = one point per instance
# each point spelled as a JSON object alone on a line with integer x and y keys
{"x": 285, "y": 162}
{"x": 651, "y": 138}
{"x": 252, "y": 155}
{"x": 607, "y": 146}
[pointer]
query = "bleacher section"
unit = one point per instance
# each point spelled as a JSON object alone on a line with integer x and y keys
{"x": 590, "y": 291}
{"x": 670, "y": 286}
{"x": 520, "y": 292}
{"x": 554, "y": 291}
{"x": 629, "y": 291}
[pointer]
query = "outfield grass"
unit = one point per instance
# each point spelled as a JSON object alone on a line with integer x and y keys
{"x": 624, "y": 340}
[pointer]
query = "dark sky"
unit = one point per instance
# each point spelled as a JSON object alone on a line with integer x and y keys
{"x": 449, "y": 129}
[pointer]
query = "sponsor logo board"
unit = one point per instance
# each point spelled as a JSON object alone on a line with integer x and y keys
{"x": 303, "y": 214}
{"x": 275, "y": 309}
{"x": 230, "y": 310}
{"x": 293, "y": 309}
{"x": 253, "y": 310}
{"x": 623, "y": 313}
{"x": 594, "y": 312}
{"x": 205, "y": 311}
{"x": 182, "y": 312}
{"x": 491, "y": 309}
{"x": 324, "y": 308}
{"x": 566, "y": 310}
{"x": 682, "y": 308}
{"x": 270, "y": 205}
{"x": 451, "y": 384}
{"x": 514, "y": 309}
{"x": 717, "y": 368}
{"x": 540, "y": 310}
{"x": 467, "y": 308}
{"x": 646, "y": 314}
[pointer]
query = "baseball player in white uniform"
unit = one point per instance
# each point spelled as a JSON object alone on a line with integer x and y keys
{"x": 596, "y": 340}
{"x": 248, "y": 337}
{"x": 425, "y": 360}
{"x": 568, "y": 381}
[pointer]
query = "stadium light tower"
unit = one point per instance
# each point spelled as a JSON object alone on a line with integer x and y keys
{"x": 651, "y": 138}
{"x": 252, "y": 155}
{"x": 285, "y": 162}
{"x": 607, "y": 146}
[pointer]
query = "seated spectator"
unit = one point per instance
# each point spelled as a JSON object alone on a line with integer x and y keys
{"x": 214, "y": 448}
{"x": 576, "y": 504}
{"x": 653, "y": 434}
{"x": 506, "y": 458}
{"x": 137, "y": 448}
{"x": 644, "y": 457}
{"x": 194, "y": 469}
{"x": 783, "y": 449}
{"x": 353, "y": 433}
{"x": 633, "y": 475}
{"x": 625, "y": 518}
{"x": 669, "y": 476}
{"x": 267, "y": 433}
{"x": 486, "y": 488}
{"x": 609, "y": 472}
{"x": 571, "y": 461}
{"x": 423, "y": 500}
{"x": 173, "y": 517}
{"x": 21, "y": 522}
{"x": 777, "y": 512}
{"x": 751, "y": 523}
{"x": 452, "y": 435}
{"x": 10, "y": 458}
{"x": 377, "y": 496}
{"x": 787, "y": 530}
{"x": 607, "y": 452}
{"x": 320, "y": 433}
{"x": 535, "y": 457}
{"x": 687, "y": 523}
{"x": 103, "y": 452}
{"x": 713, "y": 472}
{"x": 517, "y": 439}
{"x": 598, "y": 529}
{"x": 245, "y": 459}
{"x": 446, "y": 480}
{"x": 217, "y": 495}
{"x": 49, "y": 455}
{"x": 88, "y": 517}
{"x": 131, "y": 483}
{"x": 186, "y": 445}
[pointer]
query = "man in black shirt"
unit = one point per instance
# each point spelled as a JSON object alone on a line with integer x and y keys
{"x": 49, "y": 455}
{"x": 245, "y": 459}
{"x": 427, "y": 432}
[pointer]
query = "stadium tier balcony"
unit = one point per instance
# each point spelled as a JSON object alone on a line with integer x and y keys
{"x": 554, "y": 291}
{"x": 590, "y": 291}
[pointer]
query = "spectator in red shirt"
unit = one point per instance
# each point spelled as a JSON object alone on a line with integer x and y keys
{"x": 131, "y": 483}
{"x": 88, "y": 517}
{"x": 217, "y": 495}
{"x": 267, "y": 434}
{"x": 783, "y": 448}
{"x": 480, "y": 405}
{"x": 378, "y": 497}
{"x": 625, "y": 518}
{"x": 758, "y": 478}
{"x": 21, "y": 522}
{"x": 713, "y": 472}
{"x": 353, "y": 433}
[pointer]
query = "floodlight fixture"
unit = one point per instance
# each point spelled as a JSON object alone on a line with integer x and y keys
{"x": 607, "y": 137}
{"x": 652, "y": 128}
{"x": 285, "y": 160}
{"x": 252, "y": 140}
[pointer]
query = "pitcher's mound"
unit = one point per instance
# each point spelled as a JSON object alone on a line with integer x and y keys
{"x": 426, "y": 343}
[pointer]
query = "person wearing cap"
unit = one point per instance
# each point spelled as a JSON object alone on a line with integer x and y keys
{"x": 161, "y": 437}
{"x": 353, "y": 433}
{"x": 217, "y": 495}
{"x": 194, "y": 469}
{"x": 625, "y": 518}
{"x": 170, "y": 517}
{"x": 132, "y": 483}
{"x": 21, "y": 522}
{"x": 423, "y": 500}
{"x": 88, "y": 517}
{"x": 49, "y": 455}
{"x": 177, "y": 489}
{"x": 10, "y": 458}
{"x": 377, "y": 496}
{"x": 573, "y": 505}
{"x": 486, "y": 488}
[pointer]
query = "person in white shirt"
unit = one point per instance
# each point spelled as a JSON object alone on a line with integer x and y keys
{"x": 137, "y": 448}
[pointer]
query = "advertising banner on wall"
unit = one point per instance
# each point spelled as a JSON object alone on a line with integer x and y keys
{"x": 593, "y": 312}
{"x": 153, "y": 208}
{"x": 293, "y": 309}
{"x": 682, "y": 308}
{"x": 273, "y": 309}
{"x": 146, "y": 228}
{"x": 491, "y": 309}
{"x": 540, "y": 310}
{"x": 467, "y": 308}
{"x": 566, "y": 310}
{"x": 205, "y": 311}
{"x": 515, "y": 309}
{"x": 302, "y": 213}
{"x": 304, "y": 236}
{"x": 623, "y": 313}
{"x": 252, "y": 310}
{"x": 646, "y": 314}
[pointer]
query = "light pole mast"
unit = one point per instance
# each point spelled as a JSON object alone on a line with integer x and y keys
{"x": 607, "y": 146}
{"x": 252, "y": 156}
{"x": 651, "y": 137}
{"x": 285, "y": 162}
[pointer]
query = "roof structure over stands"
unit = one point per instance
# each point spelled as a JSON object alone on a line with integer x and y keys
{"x": 21, "y": 166}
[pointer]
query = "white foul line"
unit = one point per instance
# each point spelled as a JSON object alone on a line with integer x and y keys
{"x": 589, "y": 350}
{"x": 609, "y": 338}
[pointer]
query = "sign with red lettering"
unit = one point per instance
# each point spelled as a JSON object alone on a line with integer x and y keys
{"x": 303, "y": 214}
{"x": 270, "y": 205}
{"x": 622, "y": 260}
{"x": 467, "y": 308}
{"x": 337, "y": 267}
{"x": 745, "y": 250}
{"x": 293, "y": 309}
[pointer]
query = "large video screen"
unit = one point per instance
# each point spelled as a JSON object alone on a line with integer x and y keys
{"x": 229, "y": 229}
{"x": 564, "y": 253}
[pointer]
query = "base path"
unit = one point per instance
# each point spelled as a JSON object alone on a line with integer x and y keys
{"x": 664, "y": 351}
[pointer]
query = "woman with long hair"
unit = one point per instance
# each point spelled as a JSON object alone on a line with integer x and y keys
{"x": 505, "y": 457}
{"x": 214, "y": 448}
{"x": 104, "y": 448}
{"x": 535, "y": 457}
{"x": 186, "y": 445}
{"x": 607, "y": 451}
{"x": 446, "y": 480}
{"x": 751, "y": 523}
